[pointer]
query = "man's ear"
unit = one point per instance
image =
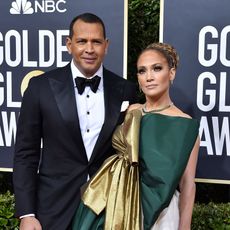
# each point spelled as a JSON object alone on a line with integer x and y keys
{"x": 68, "y": 44}
{"x": 107, "y": 45}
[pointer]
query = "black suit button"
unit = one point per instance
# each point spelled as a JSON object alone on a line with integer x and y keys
{"x": 88, "y": 112}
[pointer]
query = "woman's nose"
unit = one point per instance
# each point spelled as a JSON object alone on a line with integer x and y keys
{"x": 150, "y": 75}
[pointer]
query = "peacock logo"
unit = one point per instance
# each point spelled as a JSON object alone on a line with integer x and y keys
{"x": 21, "y": 7}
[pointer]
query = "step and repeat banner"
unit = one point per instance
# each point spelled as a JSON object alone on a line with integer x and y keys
{"x": 200, "y": 31}
{"x": 32, "y": 41}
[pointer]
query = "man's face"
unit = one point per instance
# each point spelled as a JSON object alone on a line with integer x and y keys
{"x": 87, "y": 46}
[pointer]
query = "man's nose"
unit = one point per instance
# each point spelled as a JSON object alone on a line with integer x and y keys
{"x": 89, "y": 47}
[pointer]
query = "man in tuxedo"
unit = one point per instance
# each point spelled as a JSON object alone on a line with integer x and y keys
{"x": 73, "y": 111}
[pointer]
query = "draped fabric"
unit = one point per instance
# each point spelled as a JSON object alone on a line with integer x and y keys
{"x": 123, "y": 190}
{"x": 115, "y": 187}
{"x": 165, "y": 146}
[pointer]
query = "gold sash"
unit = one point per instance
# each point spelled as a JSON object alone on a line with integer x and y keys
{"x": 115, "y": 187}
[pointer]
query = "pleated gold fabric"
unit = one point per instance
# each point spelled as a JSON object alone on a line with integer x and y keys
{"x": 115, "y": 187}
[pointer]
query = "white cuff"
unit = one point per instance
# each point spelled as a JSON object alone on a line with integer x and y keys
{"x": 27, "y": 215}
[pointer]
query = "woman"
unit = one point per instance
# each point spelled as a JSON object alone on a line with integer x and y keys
{"x": 157, "y": 148}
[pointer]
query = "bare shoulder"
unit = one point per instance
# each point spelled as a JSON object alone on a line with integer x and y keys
{"x": 135, "y": 106}
{"x": 178, "y": 112}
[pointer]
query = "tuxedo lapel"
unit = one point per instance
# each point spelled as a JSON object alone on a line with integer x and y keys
{"x": 113, "y": 91}
{"x": 63, "y": 90}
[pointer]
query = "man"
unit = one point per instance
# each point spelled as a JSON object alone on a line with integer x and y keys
{"x": 75, "y": 125}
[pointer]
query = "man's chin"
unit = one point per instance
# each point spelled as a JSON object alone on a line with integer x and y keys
{"x": 89, "y": 72}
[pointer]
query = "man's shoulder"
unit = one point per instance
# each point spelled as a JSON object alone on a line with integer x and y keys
{"x": 56, "y": 74}
{"x": 58, "y": 70}
{"x": 53, "y": 73}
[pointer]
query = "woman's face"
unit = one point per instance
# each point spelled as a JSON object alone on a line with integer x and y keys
{"x": 154, "y": 74}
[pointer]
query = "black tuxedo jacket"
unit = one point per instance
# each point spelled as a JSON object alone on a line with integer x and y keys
{"x": 47, "y": 183}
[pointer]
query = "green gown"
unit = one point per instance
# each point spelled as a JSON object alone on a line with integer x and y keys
{"x": 135, "y": 185}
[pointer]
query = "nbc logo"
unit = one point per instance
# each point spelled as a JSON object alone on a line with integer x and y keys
{"x": 21, "y": 6}
{"x": 43, "y": 6}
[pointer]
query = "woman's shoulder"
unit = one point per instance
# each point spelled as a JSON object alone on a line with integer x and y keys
{"x": 136, "y": 106}
{"x": 179, "y": 113}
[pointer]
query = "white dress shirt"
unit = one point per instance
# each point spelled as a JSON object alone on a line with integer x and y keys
{"x": 91, "y": 110}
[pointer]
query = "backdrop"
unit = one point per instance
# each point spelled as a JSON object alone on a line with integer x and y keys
{"x": 200, "y": 31}
{"x": 32, "y": 41}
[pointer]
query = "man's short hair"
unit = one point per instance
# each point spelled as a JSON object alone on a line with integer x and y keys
{"x": 88, "y": 18}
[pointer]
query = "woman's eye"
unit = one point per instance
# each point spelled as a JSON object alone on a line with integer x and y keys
{"x": 141, "y": 71}
{"x": 157, "y": 68}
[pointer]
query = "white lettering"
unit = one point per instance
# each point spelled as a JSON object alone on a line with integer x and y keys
{"x": 204, "y": 132}
{"x": 223, "y": 92}
{"x": 42, "y": 47}
{"x": 37, "y": 6}
{"x": 221, "y": 135}
{"x": 58, "y": 8}
{"x": 212, "y": 47}
{"x": 1, "y": 138}
{"x": 16, "y": 48}
{"x": 1, "y": 90}
{"x": 13, "y": 35}
{"x": 49, "y": 6}
{"x": 223, "y": 46}
{"x": 211, "y": 93}
{"x": 9, "y": 128}
{"x": 9, "y": 94}
{"x": 61, "y": 48}
{"x": 1, "y": 50}
{"x": 25, "y": 51}
{"x": 206, "y": 98}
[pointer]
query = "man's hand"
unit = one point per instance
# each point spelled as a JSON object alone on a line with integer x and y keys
{"x": 30, "y": 223}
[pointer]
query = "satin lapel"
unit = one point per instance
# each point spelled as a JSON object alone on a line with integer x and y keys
{"x": 63, "y": 90}
{"x": 113, "y": 91}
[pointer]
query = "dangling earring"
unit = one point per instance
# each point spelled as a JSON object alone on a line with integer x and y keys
{"x": 171, "y": 82}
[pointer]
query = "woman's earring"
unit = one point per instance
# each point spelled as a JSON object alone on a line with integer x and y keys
{"x": 171, "y": 82}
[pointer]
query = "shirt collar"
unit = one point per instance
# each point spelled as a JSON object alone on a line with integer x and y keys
{"x": 77, "y": 73}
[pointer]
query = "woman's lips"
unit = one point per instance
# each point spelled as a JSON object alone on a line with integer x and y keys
{"x": 152, "y": 86}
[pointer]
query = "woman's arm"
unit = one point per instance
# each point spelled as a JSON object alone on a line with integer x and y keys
{"x": 188, "y": 190}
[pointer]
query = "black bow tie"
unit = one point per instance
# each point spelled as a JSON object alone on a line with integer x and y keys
{"x": 81, "y": 83}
